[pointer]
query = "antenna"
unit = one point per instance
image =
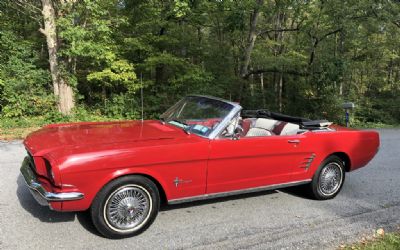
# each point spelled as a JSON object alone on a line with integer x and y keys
{"x": 141, "y": 92}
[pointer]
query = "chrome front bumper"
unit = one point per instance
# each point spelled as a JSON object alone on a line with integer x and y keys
{"x": 39, "y": 193}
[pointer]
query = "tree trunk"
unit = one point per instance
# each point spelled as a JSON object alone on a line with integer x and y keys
{"x": 280, "y": 20}
{"x": 341, "y": 88}
{"x": 251, "y": 39}
{"x": 262, "y": 90}
{"x": 280, "y": 92}
{"x": 62, "y": 91}
{"x": 66, "y": 97}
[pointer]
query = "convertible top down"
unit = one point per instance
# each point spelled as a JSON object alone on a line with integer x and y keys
{"x": 202, "y": 147}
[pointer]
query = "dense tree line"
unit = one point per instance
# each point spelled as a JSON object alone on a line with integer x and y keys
{"x": 298, "y": 57}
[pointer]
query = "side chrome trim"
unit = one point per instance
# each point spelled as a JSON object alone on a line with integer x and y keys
{"x": 237, "y": 192}
{"x": 39, "y": 192}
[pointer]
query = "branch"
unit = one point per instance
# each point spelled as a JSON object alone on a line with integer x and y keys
{"x": 19, "y": 7}
{"x": 277, "y": 30}
{"x": 275, "y": 70}
{"x": 25, "y": 5}
{"x": 297, "y": 28}
{"x": 41, "y": 30}
{"x": 317, "y": 39}
{"x": 330, "y": 33}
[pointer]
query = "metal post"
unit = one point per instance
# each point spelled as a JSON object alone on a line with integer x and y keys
{"x": 141, "y": 94}
{"x": 347, "y": 106}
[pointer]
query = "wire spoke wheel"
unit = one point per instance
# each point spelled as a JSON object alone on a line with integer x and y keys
{"x": 330, "y": 179}
{"x": 127, "y": 208}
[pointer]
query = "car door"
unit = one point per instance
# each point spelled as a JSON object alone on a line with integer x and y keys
{"x": 253, "y": 162}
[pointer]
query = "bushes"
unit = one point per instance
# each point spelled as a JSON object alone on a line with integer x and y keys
{"x": 24, "y": 87}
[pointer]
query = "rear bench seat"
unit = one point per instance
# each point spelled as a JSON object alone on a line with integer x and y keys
{"x": 290, "y": 129}
{"x": 266, "y": 127}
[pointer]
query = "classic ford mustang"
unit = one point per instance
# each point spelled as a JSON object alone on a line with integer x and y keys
{"x": 202, "y": 147}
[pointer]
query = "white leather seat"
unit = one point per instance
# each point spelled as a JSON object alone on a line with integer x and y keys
{"x": 290, "y": 129}
{"x": 264, "y": 126}
{"x": 258, "y": 132}
{"x": 264, "y": 123}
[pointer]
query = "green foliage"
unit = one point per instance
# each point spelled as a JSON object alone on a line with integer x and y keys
{"x": 122, "y": 106}
{"x": 118, "y": 72}
{"x": 23, "y": 86}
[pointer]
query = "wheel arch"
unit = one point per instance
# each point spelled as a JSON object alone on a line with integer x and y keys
{"x": 345, "y": 158}
{"x": 161, "y": 191}
{"x": 160, "y": 188}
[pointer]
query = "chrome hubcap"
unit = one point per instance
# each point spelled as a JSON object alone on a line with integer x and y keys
{"x": 330, "y": 179}
{"x": 127, "y": 208}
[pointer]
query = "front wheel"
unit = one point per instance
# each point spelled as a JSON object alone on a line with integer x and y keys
{"x": 125, "y": 207}
{"x": 328, "y": 179}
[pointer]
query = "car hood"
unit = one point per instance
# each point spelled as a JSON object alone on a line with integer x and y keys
{"x": 92, "y": 134}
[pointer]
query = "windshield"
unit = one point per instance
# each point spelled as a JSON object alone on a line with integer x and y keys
{"x": 197, "y": 114}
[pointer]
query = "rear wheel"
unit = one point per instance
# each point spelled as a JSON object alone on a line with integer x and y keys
{"x": 125, "y": 207}
{"x": 328, "y": 179}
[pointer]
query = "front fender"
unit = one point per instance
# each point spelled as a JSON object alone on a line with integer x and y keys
{"x": 90, "y": 183}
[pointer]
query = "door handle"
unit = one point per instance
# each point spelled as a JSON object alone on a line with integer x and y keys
{"x": 293, "y": 141}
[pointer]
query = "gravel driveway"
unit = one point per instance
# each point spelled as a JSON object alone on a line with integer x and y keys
{"x": 280, "y": 219}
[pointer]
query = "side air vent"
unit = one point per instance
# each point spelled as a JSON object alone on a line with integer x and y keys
{"x": 307, "y": 162}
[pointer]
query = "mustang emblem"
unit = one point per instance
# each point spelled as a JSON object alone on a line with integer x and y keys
{"x": 178, "y": 181}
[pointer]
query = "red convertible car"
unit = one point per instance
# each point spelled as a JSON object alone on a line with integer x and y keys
{"x": 202, "y": 147}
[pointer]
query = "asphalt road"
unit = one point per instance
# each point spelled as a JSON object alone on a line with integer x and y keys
{"x": 281, "y": 219}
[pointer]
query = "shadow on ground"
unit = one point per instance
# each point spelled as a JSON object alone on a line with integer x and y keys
{"x": 44, "y": 214}
{"x": 215, "y": 200}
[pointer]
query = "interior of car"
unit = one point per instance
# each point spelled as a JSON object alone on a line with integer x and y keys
{"x": 255, "y": 127}
{"x": 267, "y": 127}
{"x": 256, "y": 123}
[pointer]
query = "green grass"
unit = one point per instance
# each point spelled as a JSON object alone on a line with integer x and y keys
{"x": 11, "y": 129}
{"x": 389, "y": 241}
{"x": 23, "y": 122}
